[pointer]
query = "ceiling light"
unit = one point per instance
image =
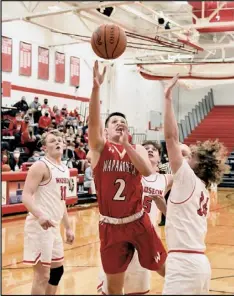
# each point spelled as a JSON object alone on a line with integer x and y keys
{"x": 161, "y": 20}
{"x": 54, "y": 8}
{"x": 168, "y": 26}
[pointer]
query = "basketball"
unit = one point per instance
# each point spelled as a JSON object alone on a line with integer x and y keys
{"x": 109, "y": 41}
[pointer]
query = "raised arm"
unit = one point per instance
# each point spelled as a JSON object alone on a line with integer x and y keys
{"x": 96, "y": 139}
{"x": 171, "y": 132}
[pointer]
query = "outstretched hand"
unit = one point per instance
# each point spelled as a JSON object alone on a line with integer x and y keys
{"x": 98, "y": 78}
{"x": 170, "y": 86}
{"x": 160, "y": 203}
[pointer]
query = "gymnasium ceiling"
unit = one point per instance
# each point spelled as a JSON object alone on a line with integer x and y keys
{"x": 199, "y": 31}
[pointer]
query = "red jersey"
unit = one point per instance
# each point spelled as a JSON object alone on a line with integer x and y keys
{"x": 118, "y": 183}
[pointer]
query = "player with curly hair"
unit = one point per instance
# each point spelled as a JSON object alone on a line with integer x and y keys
{"x": 187, "y": 267}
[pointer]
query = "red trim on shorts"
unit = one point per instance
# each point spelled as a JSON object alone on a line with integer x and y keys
{"x": 45, "y": 263}
{"x": 138, "y": 293}
{"x": 32, "y": 262}
{"x": 179, "y": 203}
{"x": 57, "y": 259}
{"x": 99, "y": 286}
{"x": 186, "y": 251}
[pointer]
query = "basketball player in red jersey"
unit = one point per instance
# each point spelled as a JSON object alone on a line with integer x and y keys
{"x": 44, "y": 197}
{"x": 118, "y": 168}
{"x": 137, "y": 279}
{"x": 187, "y": 268}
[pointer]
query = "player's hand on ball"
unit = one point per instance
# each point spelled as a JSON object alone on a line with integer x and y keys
{"x": 124, "y": 133}
{"x": 69, "y": 236}
{"x": 170, "y": 85}
{"x": 98, "y": 78}
{"x": 45, "y": 222}
{"x": 160, "y": 203}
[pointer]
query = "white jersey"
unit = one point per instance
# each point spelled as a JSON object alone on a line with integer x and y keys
{"x": 153, "y": 184}
{"x": 187, "y": 208}
{"x": 50, "y": 195}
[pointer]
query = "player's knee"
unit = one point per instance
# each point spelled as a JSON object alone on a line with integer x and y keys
{"x": 41, "y": 274}
{"x": 114, "y": 289}
{"x": 55, "y": 275}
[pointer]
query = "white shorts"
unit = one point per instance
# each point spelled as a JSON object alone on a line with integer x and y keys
{"x": 187, "y": 274}
{"x": 137, "y": 278}
{"x": 42, "y": 245}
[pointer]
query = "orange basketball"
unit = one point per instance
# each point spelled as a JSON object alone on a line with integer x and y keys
{"x": 109, "y": 41}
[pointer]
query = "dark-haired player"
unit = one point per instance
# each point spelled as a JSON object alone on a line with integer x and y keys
{"x": 118, "y": 168}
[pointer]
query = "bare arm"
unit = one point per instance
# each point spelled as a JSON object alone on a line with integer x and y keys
{"x": 171, "y": 132}
{"x": 69, "y": 233}
{"x": 96, "y": 140}
{"x": 139, "y": 158}
{"x": 34, "y": 178}
{"x": 169, "y": 182}
{"x": 65, "y": 218}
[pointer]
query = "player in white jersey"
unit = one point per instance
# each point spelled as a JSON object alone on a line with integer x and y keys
{"x": 137, "y": 278}
{"x": 44, "y": 196}
{"x": 187, "y": 268}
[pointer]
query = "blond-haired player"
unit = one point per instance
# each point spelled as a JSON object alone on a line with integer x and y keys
{"x": 137, "y": 278}
{"x": 187, "y": 268}
{"x": 44, "y": 196}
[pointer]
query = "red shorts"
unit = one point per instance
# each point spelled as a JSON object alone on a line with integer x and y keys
{"x": 118, "y": 243}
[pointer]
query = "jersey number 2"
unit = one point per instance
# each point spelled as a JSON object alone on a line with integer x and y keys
{"x": 120, "y": 190}
{"x": 63, "y": 192}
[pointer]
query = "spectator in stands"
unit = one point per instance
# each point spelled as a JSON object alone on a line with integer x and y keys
{"x": 45, "y": 107}
{"x": 31, "y": 121}
{"x": 15, "y": 124}
{"x": 22, "y": 105}
{"x": 29, "y": 140}
{"x": 88, "y": 178}
{"x": 75, "y": 113}
{"x": 6, "y": 168}
{"x": 35, "y": 104}
{"x": 54, "y": 110}
{"x": 16, "y": 161}
{"x": 84, "y": 128}
{"x": 58, "y": 117}
{"x": 74, "y": 124}
{"x": 25, "y": 123}
{"x": 44, "y": 122}
{"x": 80, "y": 126}
{"x": 70, "y": 133}
{"x": 36, "y": 156}
{"x": 64, "y": 110}
{"x": 80, "y": 156}
{"x": 36, "y": 109}
{"x": 5, "y": 158}
{"x": 68, "y": 154}
{"x": 85, "y": 136}
{"x": 53, "y": 124}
